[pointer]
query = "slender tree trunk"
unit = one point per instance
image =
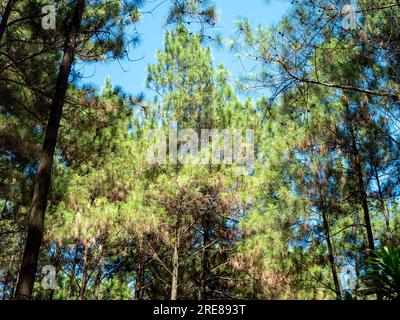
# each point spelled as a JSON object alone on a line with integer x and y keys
{"x": 361, "y": 188}
{"x": 4, "y": 18}
{"x": 357, "y": 258}
{"x": 175, "y": 273}
{"x": 382, "y": 202}
{"x": 356, "y": 161}
{"x": 324, "y": 206}
{"x": 85, "y": 271}
{"x": 175, "y": 267}
{"x": 72, "y": 275}
{"x": 362, "y": 193}
{"x": 205, "y": 263}
{"x": 12, "y": 289}
{"x": 14, "y": 285}
{"x": 39, "y": 201}
{"x": 175, "y": 258}
{"x": 331, "y": 255}
{"x": 139, "y": 282}
{"x": 98, "y": 275}
{"x": 97, "y": 284}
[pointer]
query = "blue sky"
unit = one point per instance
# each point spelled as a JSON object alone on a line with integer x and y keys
{"x": 131, "y": 75}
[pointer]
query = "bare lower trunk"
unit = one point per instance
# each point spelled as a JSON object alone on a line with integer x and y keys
{"x": 324, "y": 207}
{"x": 356, "y": 161}
{"x": 98, "y": 275}
{"x": 364, "y": 202}
{"x": 39, "y": 200}
{"x": 383, "y": 205}
{"x": 175, "y": 266}
{"x": 84, "y": 272}
{"x": 97, "y": 285}
{"x": 72, "y": 274}
{"x": 139, "y": 282}
{"x": 205, "y": 265}
{"x": 331, "y": 256}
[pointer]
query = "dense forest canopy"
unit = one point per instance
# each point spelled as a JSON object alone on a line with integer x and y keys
{"x": 281, "y": 184}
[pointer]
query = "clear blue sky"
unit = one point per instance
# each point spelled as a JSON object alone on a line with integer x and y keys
{"x": 131, "y": 75}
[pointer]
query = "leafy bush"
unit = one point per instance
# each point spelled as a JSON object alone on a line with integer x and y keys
{"x": 383, "y": 273}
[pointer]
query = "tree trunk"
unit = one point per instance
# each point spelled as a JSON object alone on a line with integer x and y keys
{"x": 98, "y": 275}
{"x": 13, "y": 286}
{"x": 72, "y": 275}
{"x": 85, "y": 271}
{"x": 205, "y": 264}
{"x": 362, "y": 193}
{"x": 4, "y": 18}
{"x": 39, "y": 200}
{"x": 97, "y": 284}
{"x": 331, "y": 255}
{"x": 324, "y": 206}
{"x": 356, "y": 161}
{"x": 139, "y": 282}
{"x": 382, "y": 202}
{"x": 175, "y": 266}
{"x": 175, "y": 258}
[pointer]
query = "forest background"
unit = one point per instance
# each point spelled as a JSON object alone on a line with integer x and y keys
{"x": 85, "y": 215}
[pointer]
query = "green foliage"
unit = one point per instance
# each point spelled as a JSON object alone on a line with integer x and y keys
{"x": 383, "y": 273}
{"x": 323, "y": 190}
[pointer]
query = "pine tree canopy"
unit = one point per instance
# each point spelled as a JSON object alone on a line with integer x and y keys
{"x": 269, "y": 173}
